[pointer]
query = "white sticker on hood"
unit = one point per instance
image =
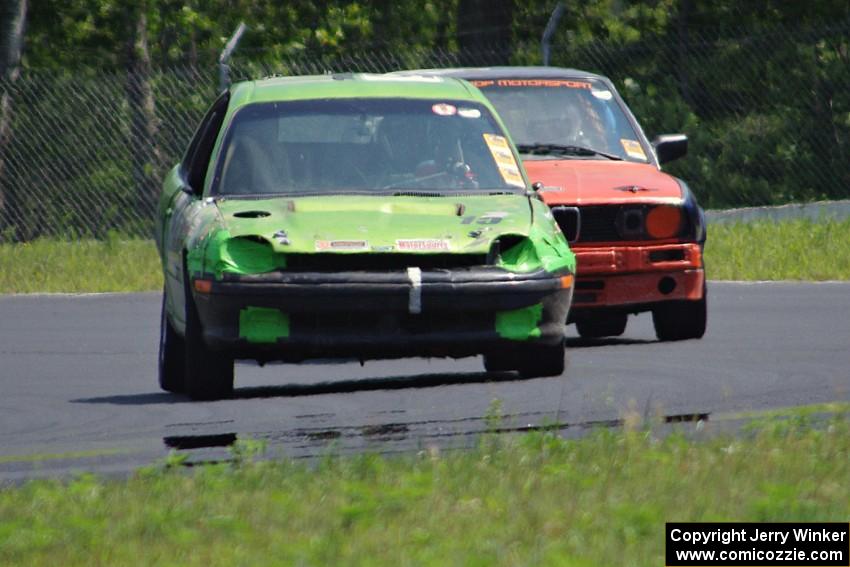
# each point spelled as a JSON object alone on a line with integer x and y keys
{"x": 422, "y": 244}
{"x": 341, "y": 245}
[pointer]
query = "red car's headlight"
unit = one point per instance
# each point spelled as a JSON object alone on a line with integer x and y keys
{"x": 664, "y": 221}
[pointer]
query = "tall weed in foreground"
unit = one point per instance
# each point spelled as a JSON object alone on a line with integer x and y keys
{"x": 532, "y": 499}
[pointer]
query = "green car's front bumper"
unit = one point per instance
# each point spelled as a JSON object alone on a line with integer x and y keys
{"x": 292, "y": 316}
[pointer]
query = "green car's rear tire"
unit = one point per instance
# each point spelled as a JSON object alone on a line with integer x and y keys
{"x": 209, "y": 373}
{"x": 171, "y": 355}
{"x": 680, "y": 320}
{"x": 602, "y": 325}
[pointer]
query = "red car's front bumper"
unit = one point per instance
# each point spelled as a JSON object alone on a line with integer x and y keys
{"x": 632, "y": 276}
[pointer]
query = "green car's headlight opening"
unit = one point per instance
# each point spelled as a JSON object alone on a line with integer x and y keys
{"x": 251, "y": 255}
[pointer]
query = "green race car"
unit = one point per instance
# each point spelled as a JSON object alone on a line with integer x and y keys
{"x": 355, "y": 216}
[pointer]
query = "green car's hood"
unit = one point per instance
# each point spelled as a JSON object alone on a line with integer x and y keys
{"x": 342, "y": 223}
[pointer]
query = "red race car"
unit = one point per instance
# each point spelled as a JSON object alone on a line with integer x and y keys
{"x": 638, "y": 233}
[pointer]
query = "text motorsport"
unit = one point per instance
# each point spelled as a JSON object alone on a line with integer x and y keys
{"x": 757, "y": 544}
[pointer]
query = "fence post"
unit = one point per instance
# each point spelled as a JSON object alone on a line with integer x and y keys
{"x": 13, "y": 20}
{"x": 551, "y": 25}
{"x": 223, "y": 67}
{"x": 146, "y": 160}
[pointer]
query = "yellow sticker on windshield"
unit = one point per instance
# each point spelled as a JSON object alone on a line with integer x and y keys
{"x": 633, "y": 149}
{"x": 504, "y": 158}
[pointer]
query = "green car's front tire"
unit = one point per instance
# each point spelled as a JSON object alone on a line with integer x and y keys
{"x": 538, "y": 361}
{"x": 208, "y": 373}
{"x": 502, "y": 361}
{"x": 171, "y": 355}
{"x": 531, "y": 360}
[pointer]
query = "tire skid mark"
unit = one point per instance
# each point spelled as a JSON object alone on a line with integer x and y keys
{"x": 315, "y": 438}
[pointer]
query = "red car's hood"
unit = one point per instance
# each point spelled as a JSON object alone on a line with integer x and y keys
{"x": 596, "y": 182}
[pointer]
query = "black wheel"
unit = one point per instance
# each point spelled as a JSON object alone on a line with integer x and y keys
{"x": 680, "y": 320}
{"x": 535, "y": 361}
{"x": 208, "y": 373}
{"x": 602, "y": 325}
{"x": 501, "y": 361}
{"x": 171, "y": 355}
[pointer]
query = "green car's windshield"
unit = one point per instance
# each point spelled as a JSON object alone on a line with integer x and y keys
{"x": 366, "y": 145}
{"x": 564, "y": 117}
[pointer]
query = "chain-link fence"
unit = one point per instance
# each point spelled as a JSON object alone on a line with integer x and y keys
{"x": 768, "y": 115}
{"x": 81, "y": 161}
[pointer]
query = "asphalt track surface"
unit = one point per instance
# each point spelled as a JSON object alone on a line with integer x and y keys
{"x": 79, "y": 390}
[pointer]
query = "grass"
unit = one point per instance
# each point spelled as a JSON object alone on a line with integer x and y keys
{"x": 787, "y": 250}
{"x": 41, "y": 457}
{"x": 83, "y": 266}
{"x": 528, "y": 500}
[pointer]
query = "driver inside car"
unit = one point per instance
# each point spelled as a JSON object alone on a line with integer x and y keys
{"x": 448, "y": 165}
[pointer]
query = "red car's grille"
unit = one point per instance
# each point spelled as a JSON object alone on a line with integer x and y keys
{"x": 599, "y": 224}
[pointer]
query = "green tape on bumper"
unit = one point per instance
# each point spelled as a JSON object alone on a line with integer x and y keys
{"x": 263, "y": 325}
{"x": 520, "y": 324}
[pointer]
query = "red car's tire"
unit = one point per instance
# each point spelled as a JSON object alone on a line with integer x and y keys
{"x": 602, "y": 325}
{"x": 681, "y": 320}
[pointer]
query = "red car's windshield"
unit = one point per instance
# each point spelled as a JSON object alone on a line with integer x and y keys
{"x": 564, "y": 112}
